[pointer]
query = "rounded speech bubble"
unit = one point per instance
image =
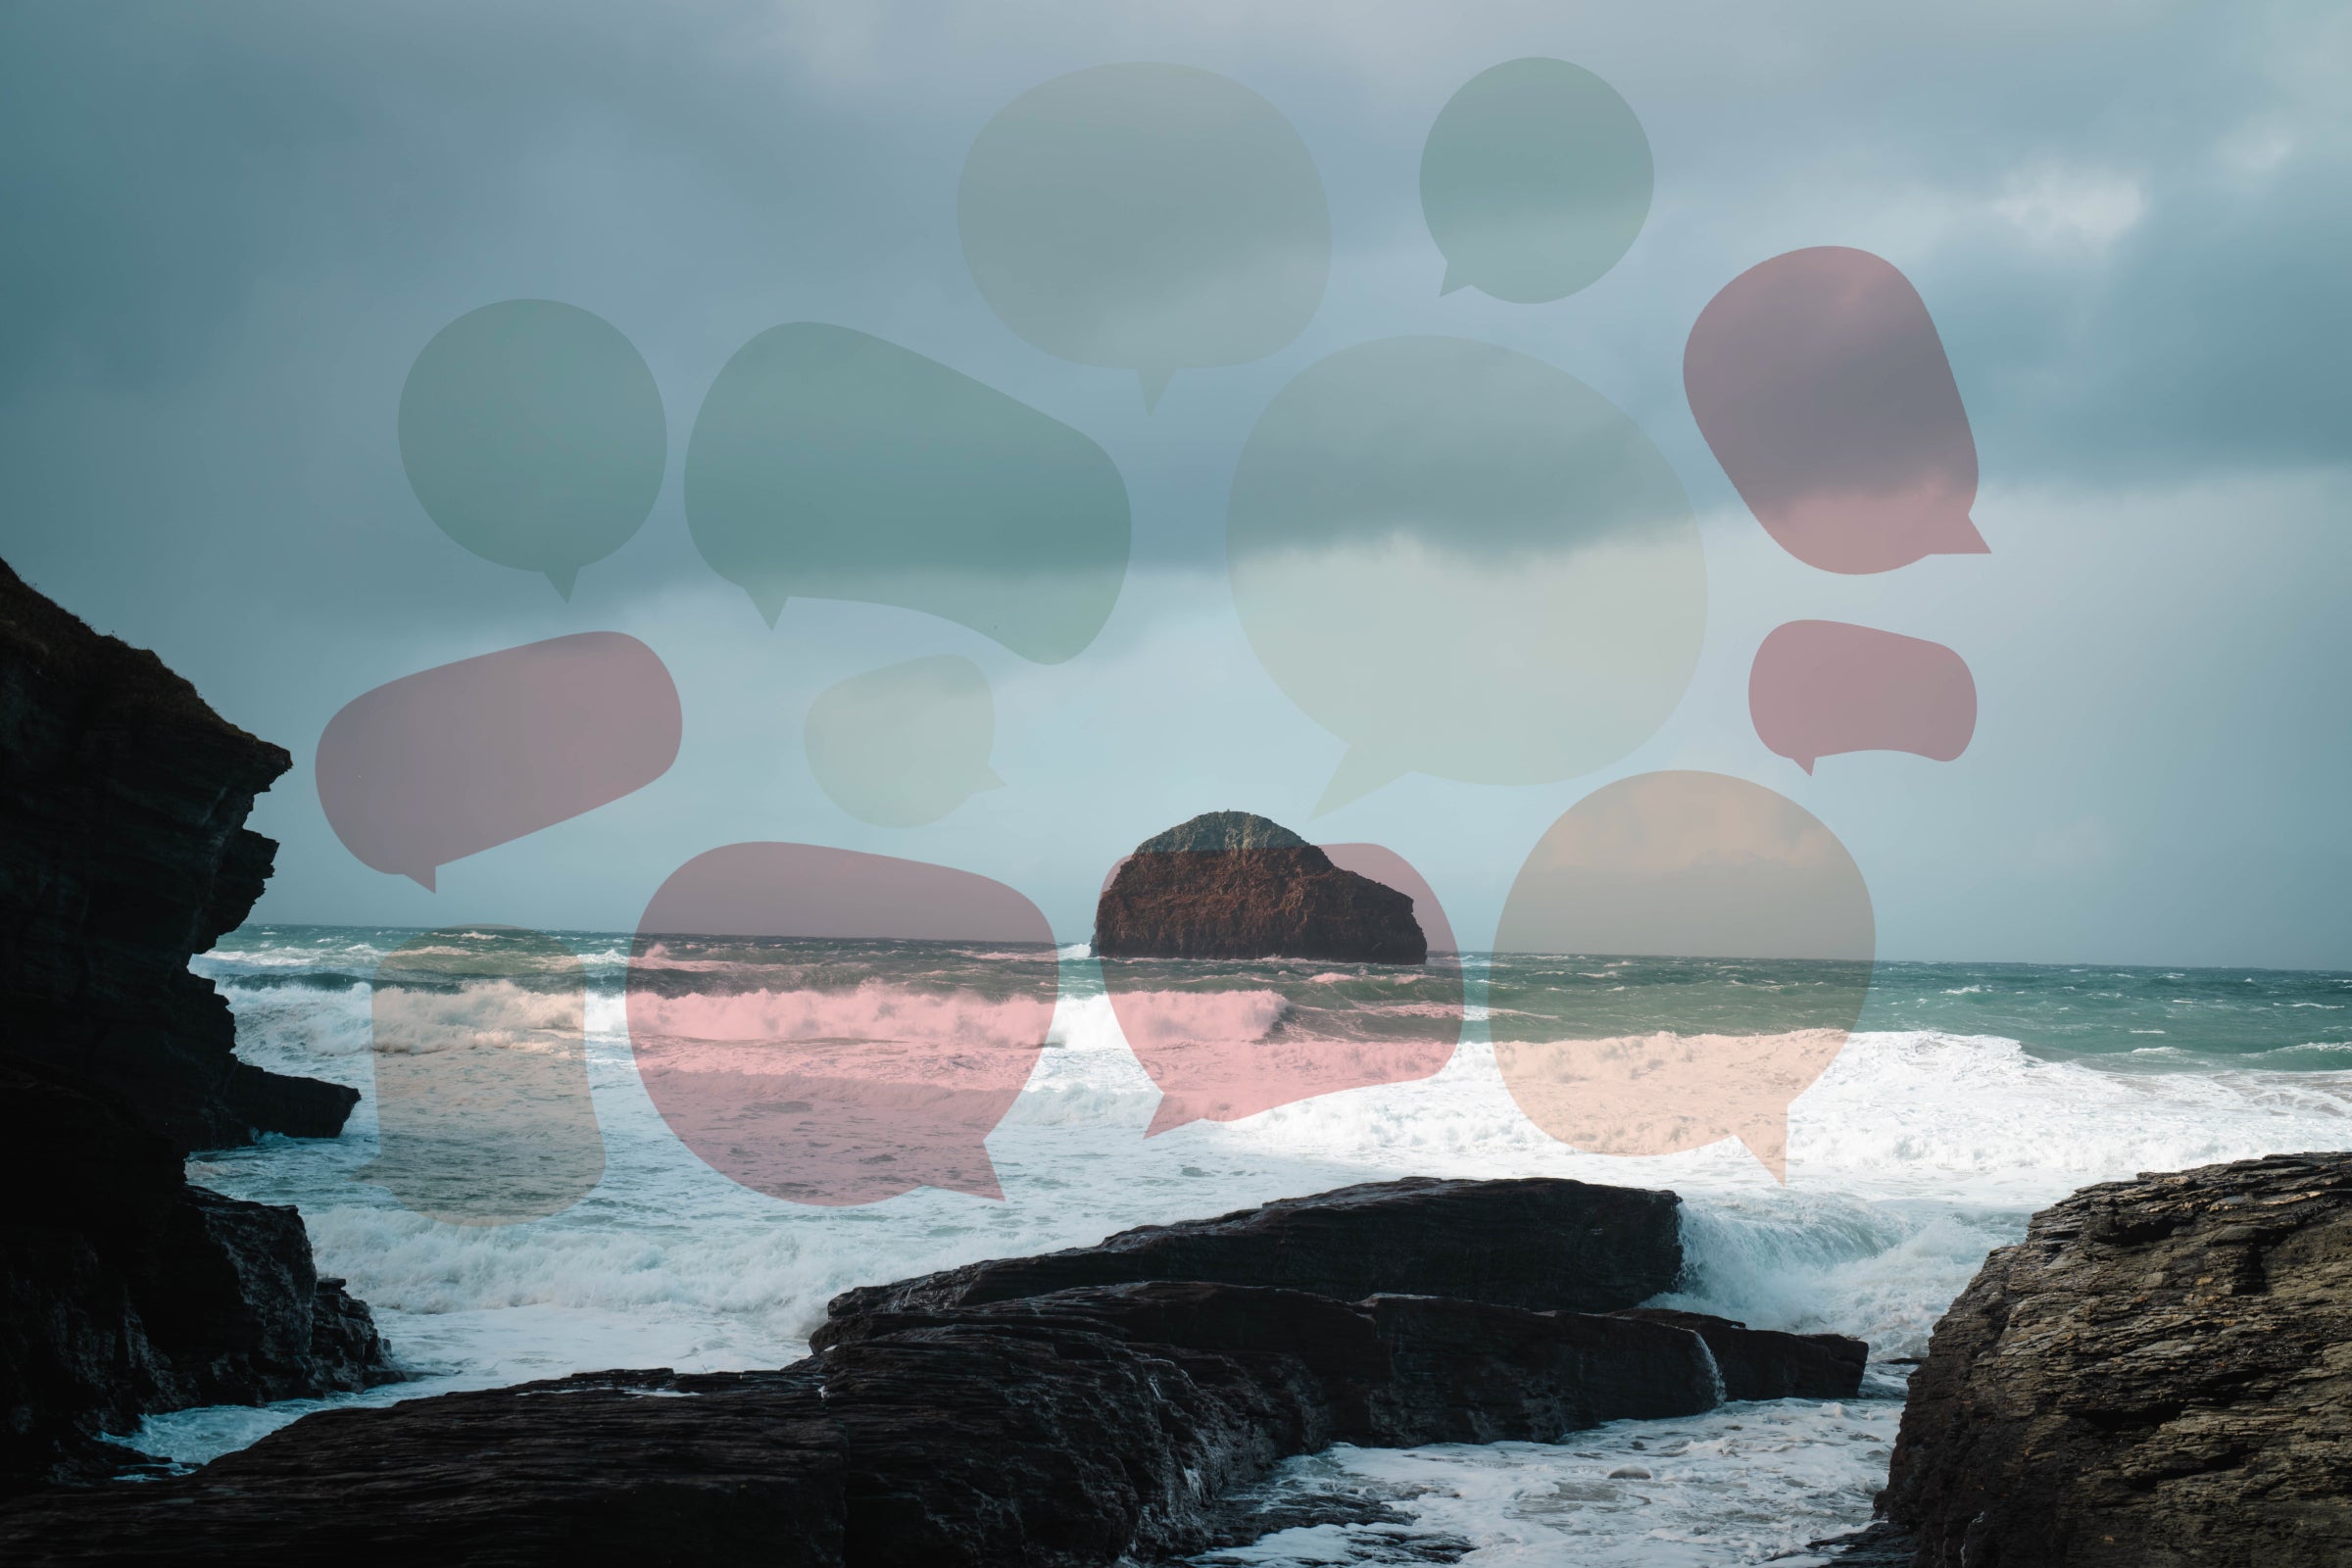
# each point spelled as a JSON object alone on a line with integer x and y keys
{"x": 1534, "y": 179}
{"x": 1682, "y": 954}
{"x": 833, "y": 464}
{"x": 1225, "y": 1040}
{"x": 1464, "y": 563}
{"x": 1819, "y": 381}
{"x": 482, "y": 1110}
{"x": 1150, "y": 218}
{"x": 533, "y": 435}
{"x": 833, "y": 1028}
{"x": 1821, "y": 687}
{"x": 904, "y": 745}
{"x": 455, "y": 760}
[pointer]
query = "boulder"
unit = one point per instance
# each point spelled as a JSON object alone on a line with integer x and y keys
{"x": 1768, "y": 1364}
{"x": 1229, "y": 885}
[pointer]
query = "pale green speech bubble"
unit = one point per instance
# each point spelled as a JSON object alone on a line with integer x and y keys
{"x": 1534, "y": 179}
{"x": 906, "y": 744}
{"x": 1464, "y": 563}
{"x": 1152, "y": 218}
{"x": 832, "y": 465}
{"x": 533, "y": 435}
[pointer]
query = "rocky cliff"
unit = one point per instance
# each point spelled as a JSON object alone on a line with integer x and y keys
{"x": 1229, "y": 885}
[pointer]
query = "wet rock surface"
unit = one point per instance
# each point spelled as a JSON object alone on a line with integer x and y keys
{"x": 1230, "y": 884}
{"x": 1768, "y": 1364}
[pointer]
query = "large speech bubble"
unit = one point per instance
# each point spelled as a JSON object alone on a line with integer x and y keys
{"x": 533, "y": 435}
{"x": 1227, "y": 1040}
{"x": 904, "y": 745}
{"x": 482, "y": 1110}
{"x": 1464, "y": 563}
{"x": 832, "y": 465}
{"x": 1682, "y": 954}
{"x": 831, "y": 1027}
{"x": 1822, "y": 687}
{"x": 455, "y": 760}
{"x": 1150, "y": 218}
{"x": 1534, "y": 179}
{"x": 1820, "y": 383}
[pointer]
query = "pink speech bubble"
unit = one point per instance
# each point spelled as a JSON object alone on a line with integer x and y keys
{"x": 1249, "y": 1043}
{"x": 831, "y": 1027}
{"x": 455, "y": 760}
{"x": 1822, "y": 687}
{"x": 1818, "y": 379}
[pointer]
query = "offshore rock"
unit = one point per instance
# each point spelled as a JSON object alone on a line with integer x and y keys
{"x": 1230, "y": 884}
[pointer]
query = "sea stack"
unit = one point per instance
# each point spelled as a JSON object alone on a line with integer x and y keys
{"x": 1230, "y": 884}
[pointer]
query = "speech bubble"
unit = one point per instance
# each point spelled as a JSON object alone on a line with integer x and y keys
{"x": 1224, "y": 1040}
{"x": 1682, "y": 954}
{"x": 482, "y": 1110}
{"x": 831, "y": 1027}
{"x": 904, "y": 745}
{"x": 1150, "y": 218}
{"x": 533, "y": 435}
{"x": 459, "y": 759}
{"x": 832, "y": 465}
{"x": 1822, "y": 687}
{"x": 1534, "y": 179}
{"x": 1819, "y": 381}
{"x": 1464, "y": 563}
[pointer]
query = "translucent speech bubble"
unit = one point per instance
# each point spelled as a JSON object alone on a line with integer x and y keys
{"x": 533, "y": 435}
{"x": 1818, "y": 379}
{"x": 482, "y": 1110}
{"x": 1225, "y": 1040}
{"x": 1821, "y": 687}
{"x": 1464, "y": 563}
{"x": 455, "y": 760}
{"x": 832, "y": 465}
{"x": 1149, "y": 218}
{"x": 1681, "y": 957}
{"x": 830, "y": 1027}
{"x": 904, "y": 746}
{"x": 1534, "y": 179}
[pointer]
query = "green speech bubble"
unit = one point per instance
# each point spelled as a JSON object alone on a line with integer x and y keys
{"x": 904, "y": 745}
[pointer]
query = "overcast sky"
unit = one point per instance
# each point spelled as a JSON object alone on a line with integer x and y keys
{"x": 231, "y": 228}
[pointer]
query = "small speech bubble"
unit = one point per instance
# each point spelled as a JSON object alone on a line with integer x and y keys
{"x": 1149, "y": 218}
{"x": 831, "y": 1027}
{"x": 1819, "y": 381}
{"x": 906, "y": 744}
{"x": 455, "y": 760}
{"x": 1682, "y": 954}
{"x": 832, "y": 465}
{"x": 1464, "y": 563}
{"x": 1534, "y": 179}
{"x": 1822, "y": 687}
{"x": 533, "y": 435}
{"x": 1225, "y": 1040}
{"x": 482, "y": 1110}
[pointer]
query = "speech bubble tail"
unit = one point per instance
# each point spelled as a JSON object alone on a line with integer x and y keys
{"x": 1171, "y": 1114}
{"x": 769, "y": 603}
{"x": 1359, "y": 773}
{"x": 1805, "y": 762}
{"x": 1450, "y": 281}
{"x": 1967, "y": 540}
{"x": 1768, "y": 1141}
{"x": 987, "y": 780}
{"x": 1155, "y": 383}
{"x": 982, "y": 1184}
{"x": 564, "y": 577}
{"x": 424, "y": 878}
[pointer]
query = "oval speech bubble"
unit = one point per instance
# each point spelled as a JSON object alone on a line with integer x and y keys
{"x": 904, "y": 745}
{"x": 1227, "y": 1040}
{"x": 1819, "y": 381}
{"x": 533, "y": 435}
{"x": 1534, "y": 179}
{"x": 482, "y": 1110}
{"x": 455, "y": 760}
{"x": 833, "y": 464}
{"x": 1150, "y": 218}
{"x": 1822, "y": 687}
{"x": 1464, "y": 563}
{"x": 830, "y": 1027}
{"x": 1681, "y": 956}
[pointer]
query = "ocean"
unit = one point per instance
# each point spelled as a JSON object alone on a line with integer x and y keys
{"x": 1966, "y": 1097}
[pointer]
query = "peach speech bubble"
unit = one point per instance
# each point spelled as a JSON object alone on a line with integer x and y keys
{"x": 1819, "y": 381}
{"x": 455, "y": 760}
{"x": 832, "y": 1027}
{"x": 1822, "y": 687}
{"x": 1682, "y": 954}
{"x": 1227, "y": 1042}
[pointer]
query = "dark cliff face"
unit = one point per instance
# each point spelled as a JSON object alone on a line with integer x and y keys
{"x": 1229, "y": 885}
